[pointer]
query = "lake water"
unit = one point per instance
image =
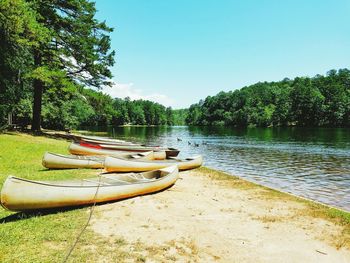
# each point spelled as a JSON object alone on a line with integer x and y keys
{"x": 313, "y": 163}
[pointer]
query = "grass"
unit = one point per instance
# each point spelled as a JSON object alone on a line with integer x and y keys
{"x": 47, "y": 237}
{"x": 42, "y": 237}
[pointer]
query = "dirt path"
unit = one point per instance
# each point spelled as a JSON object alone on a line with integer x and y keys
{"x": 201, "y": 219}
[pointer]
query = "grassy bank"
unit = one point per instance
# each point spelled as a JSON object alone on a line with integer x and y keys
{"x": 38, "y": 237}
{"x": 47, "y": 237}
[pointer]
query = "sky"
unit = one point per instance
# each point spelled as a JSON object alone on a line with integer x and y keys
{"x": 177, "y": 52}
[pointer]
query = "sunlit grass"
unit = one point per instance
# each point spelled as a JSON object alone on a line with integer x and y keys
{"x": 38, "y": 237}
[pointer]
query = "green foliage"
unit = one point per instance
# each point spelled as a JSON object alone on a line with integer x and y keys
{"x": 317, "y": 101}
{"x": 179, "y": 116}
{"x": 51, "y": 44}
{"x": 19, "y": 33}
{"x": 78, "y": 44}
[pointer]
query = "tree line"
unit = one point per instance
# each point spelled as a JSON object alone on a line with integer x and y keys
{"x": 86, "y": 107}
{"x": 303, "y": 101}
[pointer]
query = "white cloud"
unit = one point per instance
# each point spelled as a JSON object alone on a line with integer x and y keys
{"x": 122, "y": 90}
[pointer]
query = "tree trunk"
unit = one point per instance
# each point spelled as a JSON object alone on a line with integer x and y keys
{"x": 38, "y": 88}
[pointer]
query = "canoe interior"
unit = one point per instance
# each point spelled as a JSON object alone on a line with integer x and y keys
{"x": 98, "y": 158}
{"x": 80, "y": 157}
{"x": 105, "y": 180}
{"x": 169, "y": 160}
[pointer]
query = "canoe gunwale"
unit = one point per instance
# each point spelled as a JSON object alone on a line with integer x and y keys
{"x": 99, "y": 158}
{"x": 98, "y": 184}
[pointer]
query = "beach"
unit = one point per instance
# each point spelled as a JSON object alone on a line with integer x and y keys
{"x": 206, "y": 216}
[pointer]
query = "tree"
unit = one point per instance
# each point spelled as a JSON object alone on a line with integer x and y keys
{"x": 307, "y": 102}
{"x": 19, "y": 34}
{"x": 76, "y": 52}
{"x": 169, "y": 116}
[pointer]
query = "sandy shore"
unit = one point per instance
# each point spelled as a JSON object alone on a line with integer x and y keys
{"x": 206, "y": 217}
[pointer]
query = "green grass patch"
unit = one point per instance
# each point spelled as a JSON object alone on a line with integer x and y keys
{"x": 41, "y": 237}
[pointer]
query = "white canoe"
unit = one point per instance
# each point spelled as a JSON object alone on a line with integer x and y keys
{"x": 170, "y": 152}
{"x": 78, "y": 149}
{"x": 108, "y": 142}
{"x": 21, "y": 194}
{"x": 113, "y": 164}
{"x": 61, "y": 161}
{"x": 73, "y": 136}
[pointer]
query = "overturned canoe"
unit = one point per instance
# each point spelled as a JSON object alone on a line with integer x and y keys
{"x": 60, "y": 161}
{"x": 88, "y": 149}
{"x": 113, "y": 164}
{"x": 170, "y": 152}
{"x": 20, "y": 194}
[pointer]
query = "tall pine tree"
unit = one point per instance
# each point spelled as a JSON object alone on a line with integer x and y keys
{"x": 78, "y": 50}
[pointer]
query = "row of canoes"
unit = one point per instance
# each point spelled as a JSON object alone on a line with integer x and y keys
{"x": 154, "y": 168}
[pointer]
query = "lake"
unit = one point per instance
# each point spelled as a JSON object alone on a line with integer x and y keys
{"x": 308, "y": 162}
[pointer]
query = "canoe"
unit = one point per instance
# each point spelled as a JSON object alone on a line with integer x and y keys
{"x": 107, "y": 142}
{"x": 170, "y": 152}
{"x": 84, "y": 149}
{"x": 60, "y": 161}
{"x": 20, "y": 194}
{"x": 78, "y": 137}
{"x": 113, "y": 164}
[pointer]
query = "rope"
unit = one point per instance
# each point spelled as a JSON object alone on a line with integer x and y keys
{"x": 92, "y": 208}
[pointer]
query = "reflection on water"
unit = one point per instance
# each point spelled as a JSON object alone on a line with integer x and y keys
{"x": 313, "y": 163}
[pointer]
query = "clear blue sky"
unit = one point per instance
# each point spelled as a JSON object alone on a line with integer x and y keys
{"x": 180, "y": 51}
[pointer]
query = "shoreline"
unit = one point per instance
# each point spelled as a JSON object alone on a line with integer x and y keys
{"x": 212, "y": 216}
{"x": 281, "y": 191}
{"x": 208, "y": 215}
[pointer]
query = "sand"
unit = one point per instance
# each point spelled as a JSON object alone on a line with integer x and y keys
{"x": 204, "y": 220}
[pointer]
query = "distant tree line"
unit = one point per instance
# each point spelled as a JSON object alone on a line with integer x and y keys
{"x": 303, "y": 101}
{"x": 64, "y": 109}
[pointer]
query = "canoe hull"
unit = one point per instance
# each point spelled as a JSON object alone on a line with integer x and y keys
{"x": 58, "y": 161}
{"x": 170, "y": 152}
{"x": 21, "y": 195}
{"x": 113, "y": 164}
{"x": 83, "y": 150}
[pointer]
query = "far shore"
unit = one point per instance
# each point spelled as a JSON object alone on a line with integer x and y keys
{"x": 207, "y": 216}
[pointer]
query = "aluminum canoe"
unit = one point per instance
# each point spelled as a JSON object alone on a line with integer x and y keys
{"x": 114, "y": 164}
{"x": 20, "y": 194}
